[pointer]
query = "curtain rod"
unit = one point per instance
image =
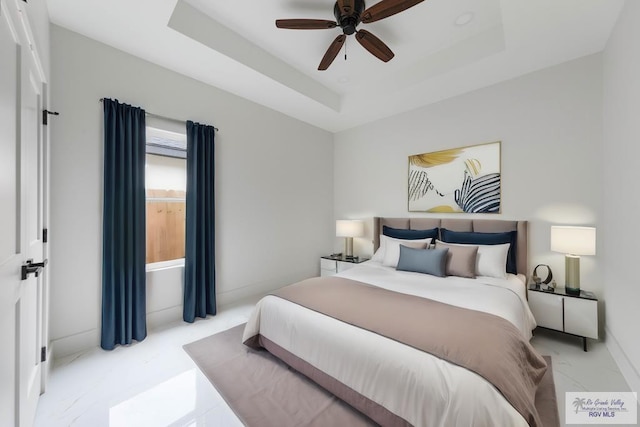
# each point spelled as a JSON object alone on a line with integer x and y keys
{"x": 158, "y": 116}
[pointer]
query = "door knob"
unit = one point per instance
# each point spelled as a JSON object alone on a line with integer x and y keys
{"x": 31, "y": 267}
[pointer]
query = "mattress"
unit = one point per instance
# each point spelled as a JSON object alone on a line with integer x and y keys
{"x": 416, "y": 386}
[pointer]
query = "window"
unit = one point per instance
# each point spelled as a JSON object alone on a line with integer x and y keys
{"x": 166, "y": 182}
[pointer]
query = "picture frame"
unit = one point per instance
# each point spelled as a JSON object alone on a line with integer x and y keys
{"x": 458, "y": 180}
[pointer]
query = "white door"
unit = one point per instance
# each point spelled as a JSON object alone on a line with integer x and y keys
{"x": 10, "y": 237}
{"x": 31, "y": 210}
{"x": 22, "y": 213}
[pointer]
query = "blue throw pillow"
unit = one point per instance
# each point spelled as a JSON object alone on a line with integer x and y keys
{"x": 401, "y": 233}
{"x": 428, "y": 261}
{"x": 473, "y": 238}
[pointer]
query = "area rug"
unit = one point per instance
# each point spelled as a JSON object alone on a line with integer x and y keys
{"x": 264, "y": 392}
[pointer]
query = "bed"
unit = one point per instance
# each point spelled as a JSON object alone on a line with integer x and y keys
{"x": 401, "y": 378}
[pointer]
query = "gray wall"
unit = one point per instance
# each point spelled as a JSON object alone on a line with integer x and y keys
{"x": 274, "y": 190}
{"x": 550, "y": 125}
{"x": 621, "y": 199}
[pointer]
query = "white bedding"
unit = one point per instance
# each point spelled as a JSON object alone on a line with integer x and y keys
{"x": 483, "y": 293}
{"x": 422, "y": 389}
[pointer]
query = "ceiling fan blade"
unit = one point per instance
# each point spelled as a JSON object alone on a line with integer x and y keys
{"x": 346, "y": 6}
{"x": 305, "y": 24}
{"x": 374, "y": 45}
{"x": 332, "y": 52}
{"x": 386, "y": 8}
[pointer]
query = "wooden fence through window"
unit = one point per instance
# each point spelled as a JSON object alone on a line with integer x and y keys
{"x": 166, "y": 219}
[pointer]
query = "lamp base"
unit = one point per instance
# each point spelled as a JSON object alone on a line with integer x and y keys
{"x": 572, "y": 274}
{"x": 572, "y": 291}
{"x": 348, "y": 247}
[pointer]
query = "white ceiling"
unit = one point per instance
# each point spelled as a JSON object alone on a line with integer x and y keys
{"x": 235, "y": 46}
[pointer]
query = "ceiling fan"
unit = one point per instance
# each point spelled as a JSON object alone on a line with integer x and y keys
{"x": 350, "y": 13}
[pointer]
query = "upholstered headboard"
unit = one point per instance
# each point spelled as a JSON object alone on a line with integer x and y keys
{"x": 457, "y": 224}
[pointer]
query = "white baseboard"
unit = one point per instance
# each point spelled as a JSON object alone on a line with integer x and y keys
{"x": 233, "y": 296}
{"x": 626, "y": 368}
{"x": 82, "y": 341}
{"x": 72, "y": 344}
{"x": 163, "y": 317}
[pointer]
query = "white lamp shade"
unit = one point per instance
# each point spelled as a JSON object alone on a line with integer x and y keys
{"x": 573, "y": 240}
{"x": 349, "y": 228}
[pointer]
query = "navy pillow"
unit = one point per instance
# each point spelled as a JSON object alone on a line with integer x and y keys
{"x": 401, "y": 233}
{"x": 486, "y": 239}
{"x": 428, "y": 261}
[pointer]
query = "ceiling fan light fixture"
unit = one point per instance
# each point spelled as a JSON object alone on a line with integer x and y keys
{"x": 349, "y": 14}
{"x": 464, "y": 19}
{"x": 348, "y": 21}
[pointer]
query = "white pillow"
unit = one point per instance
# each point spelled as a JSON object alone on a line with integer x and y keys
{"x": 392, "y": 248}
{"x": 379, "y": 255}
{"x": 491, "y": 260}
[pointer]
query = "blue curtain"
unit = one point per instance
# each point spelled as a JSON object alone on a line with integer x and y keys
{"x": 123, "y": 243}
{"x": 200, "y": 270}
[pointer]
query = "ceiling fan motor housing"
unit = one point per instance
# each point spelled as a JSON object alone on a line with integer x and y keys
{"x": 349, "y": 14}
{"x": 349, "y": 21}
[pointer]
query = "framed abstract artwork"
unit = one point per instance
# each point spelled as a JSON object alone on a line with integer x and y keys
{"x": 465, "y": 180}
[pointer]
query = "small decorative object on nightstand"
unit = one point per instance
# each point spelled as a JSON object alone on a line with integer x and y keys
{"x": 546, "y": 284}
{"x": 573, "y": 314}
{"x": 334, "y": 264}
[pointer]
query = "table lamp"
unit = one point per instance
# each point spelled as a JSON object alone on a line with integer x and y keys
{"x": 349, "y": 229}
{"x": 573, "y": 242}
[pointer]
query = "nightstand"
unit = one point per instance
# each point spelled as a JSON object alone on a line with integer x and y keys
{"x": 572, "y": 314}
{"x": 330, "y": 265}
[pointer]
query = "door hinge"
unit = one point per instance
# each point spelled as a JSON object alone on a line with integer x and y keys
{"x": 45, "y": 235}
{"x": 43, "y": 354}
{"x": 45, "y": 116}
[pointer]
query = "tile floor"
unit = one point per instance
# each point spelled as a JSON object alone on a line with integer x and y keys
{"x": 154, "y": 383}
